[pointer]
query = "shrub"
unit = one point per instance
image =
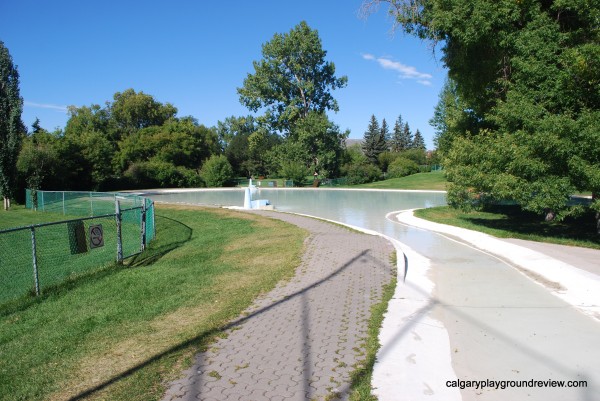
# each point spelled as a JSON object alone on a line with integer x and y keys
{"x": 361, "y": 173}
{"x": 216, "y": 171}
{"x": 294, "y": 171}
{"x": 159, "y": 174}
{"x": 402, "y": 167}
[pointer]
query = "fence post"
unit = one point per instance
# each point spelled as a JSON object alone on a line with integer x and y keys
{"x": 34, "y": 258}
{"x": 143, "y": 226}
{"x": 119, "y": 238}
{"x": 91, "y": 205}
{"x": 63, "y": 192}
{"x": 43, "y": 204}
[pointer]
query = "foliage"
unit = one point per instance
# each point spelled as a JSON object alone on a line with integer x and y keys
{"x": 131, "y": 111}
{"x": 179, "y": 142}
{"x": 292, "y": 78}
{"x": 217, "y": 171}
{"x": 294, "y": 171}
{"x": 418, "y": 141}
{"x": 385, "y": 159}
{"x": 37, "y": 160}
{"x": 401, "y": 167}
{"x": 373, "y": 142}
{"x": 523, "y": 98}
{"x": 12, "y": 129}
{"x": 361, "y": 173}
{"x": 160, "y": 174}
{"x": 401, "y": 136}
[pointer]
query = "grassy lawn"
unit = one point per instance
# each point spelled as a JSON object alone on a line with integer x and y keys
{"x": 121, "y": 332}
{"x": 510, "y": 222}
{"x": 19, "y": 216}
{"x": 435, "y": 180}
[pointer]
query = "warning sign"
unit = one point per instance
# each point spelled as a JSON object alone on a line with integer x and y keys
{"x": 96, "y": 236}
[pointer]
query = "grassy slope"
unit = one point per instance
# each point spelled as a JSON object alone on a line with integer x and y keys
{"x": 423, "y": 181}
{"x": 509, "y": 222}
{"x": 119, "y": 333}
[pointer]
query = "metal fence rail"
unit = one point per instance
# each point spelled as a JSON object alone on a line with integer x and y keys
{"x": 40, "y": 256}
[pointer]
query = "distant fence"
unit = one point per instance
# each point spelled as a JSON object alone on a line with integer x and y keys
{"x": 40, "y": 256}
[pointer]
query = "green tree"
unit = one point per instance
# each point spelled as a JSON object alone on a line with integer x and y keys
{"x": 528, "y": 76}
{"x": 12, "y": 128}
{"x": 373, "y": 142}
{"x": 385, "y": 133}
{"x": 398, "y": 142}
{"x": 418, "y": 141}
{"x": 217, "y": 171}
{"x": 131, "y": 111}
{"x": 292, "y": 78}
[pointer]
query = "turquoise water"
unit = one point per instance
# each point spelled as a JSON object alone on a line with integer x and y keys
{"x": 364, "y": 208}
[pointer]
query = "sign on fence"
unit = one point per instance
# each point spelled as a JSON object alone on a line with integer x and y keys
{"x": 96, "y": 236}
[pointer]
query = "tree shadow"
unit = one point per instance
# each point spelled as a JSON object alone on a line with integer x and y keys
{"x": 206, "y": 336}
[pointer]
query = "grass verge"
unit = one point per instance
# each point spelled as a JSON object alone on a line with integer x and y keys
{"x": 435, "y": 180}
{"x": 511, "y": 222}
{"x": 361, "y": 377}
{"x": 121, "y": 334}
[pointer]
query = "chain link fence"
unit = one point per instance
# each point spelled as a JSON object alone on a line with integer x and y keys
{"x": 38, "y": 257}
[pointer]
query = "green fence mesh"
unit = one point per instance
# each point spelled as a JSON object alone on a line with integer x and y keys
{"x": 67, "y": 249}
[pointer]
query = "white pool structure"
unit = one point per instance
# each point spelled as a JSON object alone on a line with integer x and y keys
{"x": 470, "y": 322}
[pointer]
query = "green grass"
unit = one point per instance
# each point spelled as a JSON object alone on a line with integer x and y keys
{"x": 511, "y": 222}
{"x": 436, "y": 180}
{"x": 56, "y": 262}
{"x": 361, "y": 377}
{"x": 122, "y": 332}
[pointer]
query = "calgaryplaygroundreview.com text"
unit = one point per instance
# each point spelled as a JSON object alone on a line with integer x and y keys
{"x": 504, "y": 384}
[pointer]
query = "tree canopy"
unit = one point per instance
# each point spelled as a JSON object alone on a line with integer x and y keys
{"x": 292, "y": 79}
{"x": 519, "y": 117}
{"x": 12, "y": 129}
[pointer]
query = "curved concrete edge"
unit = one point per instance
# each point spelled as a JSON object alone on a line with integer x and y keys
{"x": 577, "y": 287}
{"x": 414, "y": 358}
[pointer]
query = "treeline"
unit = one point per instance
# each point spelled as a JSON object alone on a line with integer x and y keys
{"x": 386, "y": 153}
{"x": 132, "y": 142}
{"x": 519, "y": 118}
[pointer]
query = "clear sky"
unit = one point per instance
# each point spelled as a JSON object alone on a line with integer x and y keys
{"x": 194, "y": 54}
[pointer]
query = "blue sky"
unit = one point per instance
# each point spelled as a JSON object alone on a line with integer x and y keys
{"x": 194, "y": 54}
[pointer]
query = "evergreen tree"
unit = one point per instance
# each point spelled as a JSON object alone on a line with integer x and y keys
{"x": 396, "y": 144}
{"x": 407, "y": 138}
{"x": 372, "y": 141}
{"x": 418, "y": 141}
{"x": 12, "y": 128}
{"x": 385, "y": 134}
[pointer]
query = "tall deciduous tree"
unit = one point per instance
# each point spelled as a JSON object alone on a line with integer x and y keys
{"x": 527, "y": 73}
{"x": 12, "y": 128}
{"x": 292, "y": 79}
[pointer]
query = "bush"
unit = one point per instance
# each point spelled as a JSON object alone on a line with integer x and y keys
{"x": 294, "y": 171}
{"x": 361, "y": 173}
{"x": 402, "y": 167}
{"x": 159, "y": 174}
{"x": 216, "y": 171}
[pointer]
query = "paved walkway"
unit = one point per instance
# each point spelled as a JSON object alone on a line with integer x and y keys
{"x": 301, "y": 340}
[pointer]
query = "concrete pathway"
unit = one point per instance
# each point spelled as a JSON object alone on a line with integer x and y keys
{"x": 495, "y": 322}
{"x": 301, "y": 340}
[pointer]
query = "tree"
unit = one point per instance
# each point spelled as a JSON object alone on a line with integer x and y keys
{"x": 385, "y": 133}
{"x": 292, "y": 79}
{"x": 397, "y": 142}
{"x": 217, "y": 171}
{"x": 407, "y": 137}
{"x": 12, "y": 128}
{"x": 373, "y": 142}
{"x": 131, "y": 111}
{"x": 527, "y": 78}
{"x": 418, "y": 141}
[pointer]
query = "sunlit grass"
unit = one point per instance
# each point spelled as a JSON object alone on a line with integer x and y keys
{"x": 121, "y": 334}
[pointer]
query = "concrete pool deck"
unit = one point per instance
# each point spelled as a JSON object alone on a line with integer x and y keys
{"x": 490, "y": 310}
